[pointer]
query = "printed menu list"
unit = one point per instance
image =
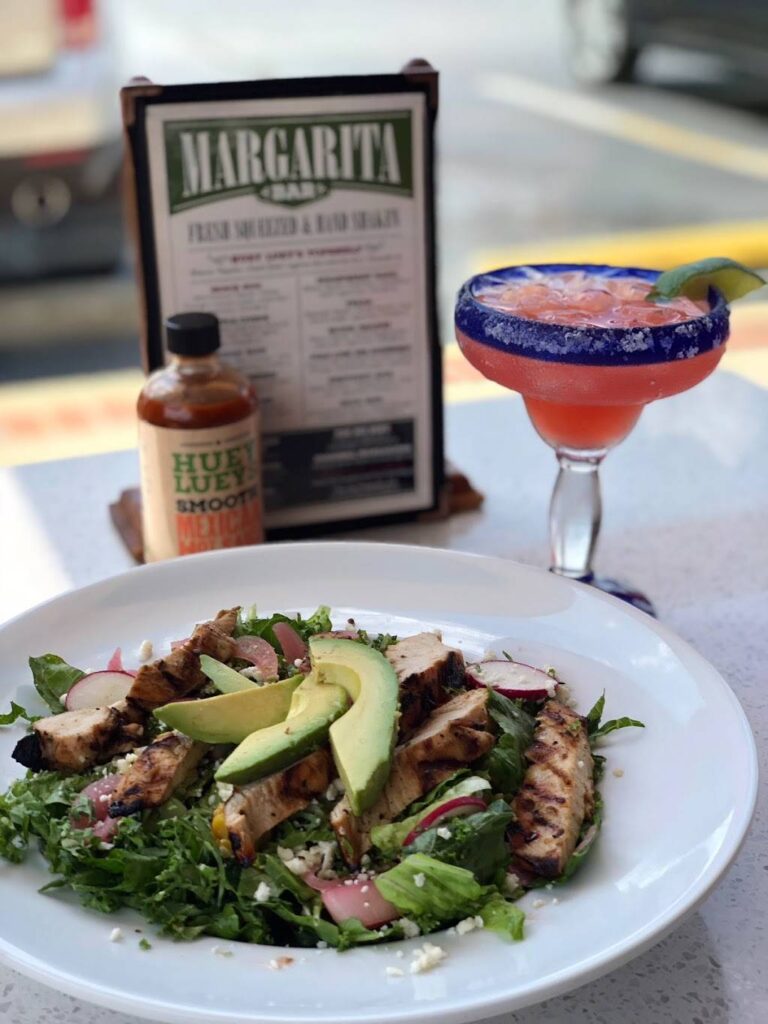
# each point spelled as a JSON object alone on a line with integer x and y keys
{"x": 301, "y": 224}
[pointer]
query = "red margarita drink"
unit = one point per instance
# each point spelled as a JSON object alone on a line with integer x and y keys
{"x": 586, "y": 349}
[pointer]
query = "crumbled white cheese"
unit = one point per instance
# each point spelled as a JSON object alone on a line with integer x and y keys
{"x": 365, "y": 860}
{"x": 146, "y": 650}
{"x": 317, "y": 858}
{"x": 537, "y": 903}
{"x": 116, "y": 935}
{"x": 105, "y": 798}
{"x": 253, "y": 673}
{"x": 297, "y": 866}
{"x": 263, "y": 893}
{"x": 63, "y": 699}
{"x": 274, "y": 965}
{"x": 427, "y": 957}
{"x": 298, "y": 662}
{"x": 469, "y": 924}
{"x": 410, "y": 928}
{"x": 364, "y": 889}
{"x": 394, "y": 972}
{"x": 335, "y": 789}
{"x": 580, "y": 764}
{"x": 122, "y": 764}
{"x": 420, "y": 880}
{"x": 618, "y": 772}
{"x": 444, "y": 833}
{"x": 221, "y": 951}
{"x": 511, "y": 882}
{"x": 225, "y": 790}
{"x": 565, "y": 695}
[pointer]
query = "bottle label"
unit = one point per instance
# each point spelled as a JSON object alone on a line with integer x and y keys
{"x": 200, "y": 489}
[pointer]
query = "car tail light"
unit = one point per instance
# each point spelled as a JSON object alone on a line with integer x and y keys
{"x": 78, "y": 19}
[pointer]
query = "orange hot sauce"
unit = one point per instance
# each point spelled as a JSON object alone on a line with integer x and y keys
{"x": 199, "y": 447}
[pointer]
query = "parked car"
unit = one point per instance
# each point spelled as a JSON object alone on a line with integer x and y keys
{"x": 606, "y": 37}
{"x": 60, "y": 141}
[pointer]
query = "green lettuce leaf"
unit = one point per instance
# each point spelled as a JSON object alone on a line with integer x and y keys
{"x": 389, "y": 838}
{"x": 250, "y": 624}
{"x": 589, "y": 834}
{"x": 476, "y": 842}
{"x": 52, "y": 677}
{"x": 17, "y": 712}
{"x": 616, "y": 723}
{"x": 503, "y": 917}
{"x": 595, "y": 730}
{"x": 506, "y": 763}
{"x": 431, "y": 892}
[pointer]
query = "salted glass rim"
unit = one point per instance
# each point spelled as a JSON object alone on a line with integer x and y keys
{"x": 508, "y": 332}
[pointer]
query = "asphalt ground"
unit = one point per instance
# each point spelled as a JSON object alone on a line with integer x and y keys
{"x": 667, "y": 169}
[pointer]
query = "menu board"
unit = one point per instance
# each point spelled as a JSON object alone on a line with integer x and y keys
{"x": 301, "y": 213}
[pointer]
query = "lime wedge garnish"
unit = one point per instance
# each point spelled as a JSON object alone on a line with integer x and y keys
{"x": 694, "y": 280}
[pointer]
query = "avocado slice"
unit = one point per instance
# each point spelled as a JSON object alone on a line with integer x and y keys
{"x": 230, "y": 717}
{"x": 224, "y": 678}
{"x": 314, "y": 706}
{"x": 362, "y": 741}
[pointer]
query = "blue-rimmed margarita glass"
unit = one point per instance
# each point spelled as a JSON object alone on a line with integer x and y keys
{"x": 587, "y": 351}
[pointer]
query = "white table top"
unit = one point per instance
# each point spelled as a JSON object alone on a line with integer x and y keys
{"x": 685, "y": 512}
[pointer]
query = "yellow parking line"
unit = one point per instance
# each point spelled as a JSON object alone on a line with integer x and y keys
{"x": 746, "y": 241}
{"x": 601, "y": 116}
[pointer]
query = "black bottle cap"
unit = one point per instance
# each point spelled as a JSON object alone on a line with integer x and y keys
{"x": 192, "y": 334}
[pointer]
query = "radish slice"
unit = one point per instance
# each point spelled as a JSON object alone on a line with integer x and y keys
{"x": 459, "y": 807}
{"x": 115, "y": 663}
{"x": 294, "y": 648}
{"x": 105, "y": 830}
{"x": 354, "y": 897}
{"x": 98, "y": 689}
{"x": 99, "y": 808}
{"x": 259, "y": 653}
{"x": 513, "y": 679}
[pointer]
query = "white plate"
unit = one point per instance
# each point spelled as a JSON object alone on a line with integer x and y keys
{"x": 673, "y": 821}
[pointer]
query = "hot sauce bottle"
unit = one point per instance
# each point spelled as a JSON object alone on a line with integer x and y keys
{"x": 199, "y": 446}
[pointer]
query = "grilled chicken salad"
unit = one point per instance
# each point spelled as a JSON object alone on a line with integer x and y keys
{"x": 275, "y": 780}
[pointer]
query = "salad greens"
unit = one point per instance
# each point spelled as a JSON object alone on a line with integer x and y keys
{"x": 52, "y": 677}
{"x": 430, "y": 892}
{"x": 506, "y": 763}
{"x": 171, "y": 866}
{"x": 477, "y": 842}
{"x": 390, "y": 838}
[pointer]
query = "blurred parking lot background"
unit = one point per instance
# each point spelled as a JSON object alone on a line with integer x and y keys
{"x": 666, "y": 165}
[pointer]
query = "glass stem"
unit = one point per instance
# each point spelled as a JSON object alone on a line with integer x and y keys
{"x": 575, "y": 512}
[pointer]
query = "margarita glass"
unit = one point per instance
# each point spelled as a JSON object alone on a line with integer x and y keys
{"x": 587, "y": 351}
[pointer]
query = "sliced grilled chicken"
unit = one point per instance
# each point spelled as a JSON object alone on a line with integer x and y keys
{"x": 180, "y": 675}
{"x": 424, "y": 667}
{"x": 75, "y": 740}
{"x": 454, "y": 735}
{"x": 557, "y": 794}
{"x": 255, "y": 809}
{"x": 167, "y": 763}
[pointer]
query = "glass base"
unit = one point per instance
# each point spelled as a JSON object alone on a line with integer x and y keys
{"x": 623, "y": 591}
